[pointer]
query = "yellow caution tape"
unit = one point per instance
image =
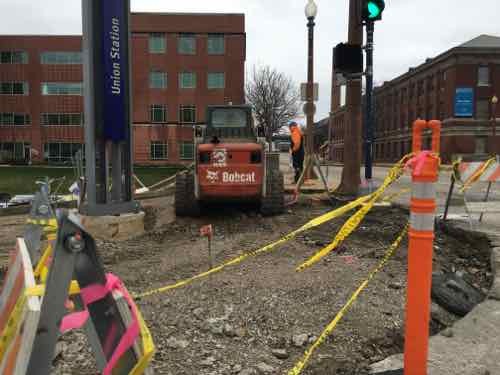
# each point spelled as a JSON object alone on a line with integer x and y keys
{"x": 49, "y": 225}
{"x": 148, "y": 347}
{"x": 392, "y": 197}
{"x": 39, "y": 290}
{"x": 353, "y": 222}
{"x": 10, "y": 329}
{"x": 329, "y": 329}
{"x": 311, "y": 224}
{"x": 476, "y": 176}
{"x": 41, "y": 269}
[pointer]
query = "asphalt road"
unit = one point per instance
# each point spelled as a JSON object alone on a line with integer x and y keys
{"x": 476, "y": 193}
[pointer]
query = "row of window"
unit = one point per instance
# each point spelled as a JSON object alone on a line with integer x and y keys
{"x": 61, "y": 58}
{"x": 72, "y": 119}
{"x": 59, "y": 152}
{"x": 13, "y": 57}
{"x": 9, "y": 118}
{"x": 14, "y": 88}
{"x": 157, "y": 80}
{"x": 158, "y": 113}
{"x": 47, "y": 88}
{"x": 187, "y": 80}
{"x": 186, "y": 44}
{"x": 159, "y": 150}
{"x": 14, "y": 152}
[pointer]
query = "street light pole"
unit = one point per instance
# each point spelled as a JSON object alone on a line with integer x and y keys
{"x": 369, "y": 105}
{"x": 494, "y": 102}
{"x": 311, "y": 11}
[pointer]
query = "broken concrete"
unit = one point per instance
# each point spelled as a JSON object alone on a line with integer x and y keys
{"x": 473, "y": 348}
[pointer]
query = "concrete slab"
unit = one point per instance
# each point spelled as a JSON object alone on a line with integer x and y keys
{"x": 472, "y": 350}
{"x": 118, "y": 228}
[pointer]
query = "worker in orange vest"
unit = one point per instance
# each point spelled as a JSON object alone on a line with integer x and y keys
{"x": 297, "y": 149}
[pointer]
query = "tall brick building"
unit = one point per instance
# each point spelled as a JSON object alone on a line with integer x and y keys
{"x": 456, "y": 87}
{"x": 181, "y": 63}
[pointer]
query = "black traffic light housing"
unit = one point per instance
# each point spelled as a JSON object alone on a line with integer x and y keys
{"x": 372, "y": 10}
{"x": 348, "y": 59}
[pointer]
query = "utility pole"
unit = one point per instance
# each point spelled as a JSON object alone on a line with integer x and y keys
{"x": 351, "y": 178}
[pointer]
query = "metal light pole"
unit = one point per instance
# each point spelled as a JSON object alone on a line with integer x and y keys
{"x": 494, "y": 102}
{"x": 370, "y": 27}
{"x": 311, "y": 11}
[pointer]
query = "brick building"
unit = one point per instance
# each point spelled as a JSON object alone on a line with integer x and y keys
{"x": 455, "y": 87}
{"x": 181, "y": 63}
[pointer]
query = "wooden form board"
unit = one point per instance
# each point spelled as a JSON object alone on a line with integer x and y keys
{"x": 19, "y": 314}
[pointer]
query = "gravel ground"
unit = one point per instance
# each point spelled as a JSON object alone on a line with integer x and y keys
{"x": 259, "y": 317}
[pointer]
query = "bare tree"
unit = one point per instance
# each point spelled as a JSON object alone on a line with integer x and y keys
{"x": 274, "y": 97}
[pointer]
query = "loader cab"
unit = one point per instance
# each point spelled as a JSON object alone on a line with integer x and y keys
{"x": 229, "y": 124}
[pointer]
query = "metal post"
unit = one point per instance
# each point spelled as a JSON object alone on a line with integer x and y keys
{"x": 448, "y": 198}
{"x": 370, "y": 27}
{"x": 310, "y": 90}
{"x": 494, "y": 102}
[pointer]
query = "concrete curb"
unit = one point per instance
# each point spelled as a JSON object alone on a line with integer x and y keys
{"x": 474, "y": 347}
{"x": 495, "y": 266}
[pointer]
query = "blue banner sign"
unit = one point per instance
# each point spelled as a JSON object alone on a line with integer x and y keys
{"x": 464, "y": 102}
{"x": 115, "y": 70}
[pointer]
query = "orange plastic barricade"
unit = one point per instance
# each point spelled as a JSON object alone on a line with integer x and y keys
{"x": 425, "y": 169}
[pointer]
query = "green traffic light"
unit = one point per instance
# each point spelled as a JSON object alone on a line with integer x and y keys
{"x": 373, "y": 10}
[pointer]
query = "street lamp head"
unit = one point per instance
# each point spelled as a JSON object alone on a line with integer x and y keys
{"x": 494, "y": 100}
{"x": 311, "y": 9}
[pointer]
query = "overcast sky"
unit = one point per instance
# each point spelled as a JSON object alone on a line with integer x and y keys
{"x": 411, "y": 30}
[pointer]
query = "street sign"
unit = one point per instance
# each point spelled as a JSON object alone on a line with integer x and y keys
{"x": 464, "y": 102}
{"x": 115, "y": 72}
{"x": 303, "y": 92}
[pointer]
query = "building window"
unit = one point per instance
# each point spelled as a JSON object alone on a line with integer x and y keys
{"x": 61, "y": 58}
{"x": 58, "y": 152}
{"x": 187, "y": 80}
{"x": 216, "y": 80}
{"x": 158, "y": 113}
{"x": 482, "y": 109}
{"x": 187, "y": 44}
{"x": 483, "y": 76}
{"x": 62, "y": 88}
{"x": 67, "y": 119}
{"x": 13, "y": 57}
{"x": 8, "y": 118}
{"x": 157, "y": 43}
{"x": 186, "y": 150}
{"x": 187, "y": 114}
{"x": 157, "y": 80}
{"x": 159, "y": 150}
{"x": 14, "y": 152}
{"x": 215, "y": 44}
{"x": 14, "y": 88}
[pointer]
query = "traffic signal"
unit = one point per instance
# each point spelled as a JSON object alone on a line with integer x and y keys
{"x": 348, "y": 58}
{"x": 372, "y": 10}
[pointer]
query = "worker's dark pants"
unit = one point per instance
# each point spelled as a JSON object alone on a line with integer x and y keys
{"x": 298, "y": 164}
